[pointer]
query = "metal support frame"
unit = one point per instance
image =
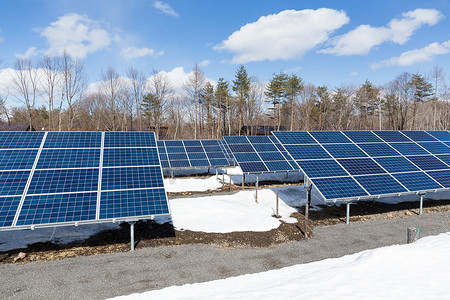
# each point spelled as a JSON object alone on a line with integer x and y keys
{"x": 243, "y": 181}
{"x": 347, "y": 220}
{"x": 256, "y": 188}
{"x": 308, "y": 201}
{"x": 171, "y": 174}
{"x": 422, "y": 196}
{"x": 217, "y": 174}
{"x": 132, "y": 234}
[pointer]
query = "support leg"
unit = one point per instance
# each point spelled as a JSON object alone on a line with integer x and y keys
{"x": 256, "y": 187}
{"x": 347, "y": 221}
{"x": 421, "y": 205}
{"x": 243, "y": 181}
{"x": 132, "y": 235}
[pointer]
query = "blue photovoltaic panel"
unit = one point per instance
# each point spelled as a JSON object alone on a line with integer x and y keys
{"x": 443, "y": 177}
{"x": 417, "y": 181}
{"x": 419, "y": 136}
{"x": 253, "y": 167}
{"x": 131, "y": 178}
{"x": 192, "y": 143}
{"x": 392, "y": 136}
{"x": 362, "y": 137}
{"x": 361, "y": 166}
{"x": 68, "y": 158}
{"x": 344, "y": 150}
{"x": 17, "y": 159}
{"x": 396, "y": 164}
{"x": 73, "y": 140}
{"x": 13, "y": 182}
{"x": 445, "y": 158}
{"x": 63, "y": 181}
{"x": 178, "y": 156}
{"x": 338, "y": 187}
{"x": 173, "y": 143}
{"x": 378, "y": 149}
{"x": 258, "y": 154}
{"x": 441, "y": 135}
{"x": 324, "y": 137}
{"x": 21, "y": 140}
{"x": 428, "y": 162}
{"x": 322, "y": 168}
{"x": 179, "y": 149}
{"x": 199, "y": 162}
{"x": 409, "y": 148}
{"x": 58, "y": 208}
{"x": 294, "y": 137}
{"x": 179, "y": 164}
{"x": 192, "y": 156}
{"x": 117, "y": 157}
{"x": 195, "y": 149}
{"x": 129, "y": 139}
{"x": 130, "y": 203}
{"x": 380, "y": 184}
{"x": 301, "y": 152}
{"x": 436, "y": 147}
{"x": 8, "y": 208}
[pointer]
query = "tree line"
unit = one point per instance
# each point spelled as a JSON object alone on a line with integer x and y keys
{"x": 204, "y": 110}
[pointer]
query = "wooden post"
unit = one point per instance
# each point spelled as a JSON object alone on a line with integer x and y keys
{"x": 413, "y": 235}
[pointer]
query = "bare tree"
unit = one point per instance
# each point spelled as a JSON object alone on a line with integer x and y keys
{"x": 25, "y": 82}
{"x": 193, "y": 87}
{"x": 73, "y": 86}
{"x": 111, "y": 88}
{"x": 50, "y": 67}
{"x": 437, "y": 76}
{"x": 137, "y": 79}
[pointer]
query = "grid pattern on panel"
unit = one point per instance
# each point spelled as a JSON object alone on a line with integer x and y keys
{"x": 17, "y": 159}
{"x": 56, "y": 180}
{"x": 58, "y": 208}
{"x": 119, "y": 204}
{"x": 375, "y": 162}
{"x": 259, "y": 154}
{"x": 192, "y": 154}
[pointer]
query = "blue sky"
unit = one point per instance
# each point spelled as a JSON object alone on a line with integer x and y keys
{"x": 325, "y": 42}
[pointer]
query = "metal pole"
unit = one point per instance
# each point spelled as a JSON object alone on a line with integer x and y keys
{"x": 223, "y": 180}
{"x": 171, "y": 173}
{"x": 132, "y": 235}
{"x": 243, "y": 181}
{"x": 421, "y": 204}
{"x": 277, "y": 215}
{"x": 347, "y": 221}
{"x": 230, "y": 182}
{"x": 256, "y": 186}
{"x": 217, "y": 174}
{"x": 308, "y": 201}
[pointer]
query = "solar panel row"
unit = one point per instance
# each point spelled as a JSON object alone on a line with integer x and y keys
{"x": 191, "y": 154}
{"x": 66, "y": 177}
{"x": 352, "y": 164}
{"x": 259, "y": 154}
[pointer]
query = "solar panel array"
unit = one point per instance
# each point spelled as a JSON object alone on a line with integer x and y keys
{"x": 353, "y": 164}
{"x": 191, "y": 154}
{"x": 51, "y": 178}
{"x": 259, "y": 154}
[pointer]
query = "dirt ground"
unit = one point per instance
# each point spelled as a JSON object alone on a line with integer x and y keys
{"x": 151, "y": 234}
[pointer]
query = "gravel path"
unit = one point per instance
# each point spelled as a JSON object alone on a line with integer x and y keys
{"x": 109, "y": 275}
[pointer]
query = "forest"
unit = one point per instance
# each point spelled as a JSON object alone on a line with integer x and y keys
{"x": 53, "y": 95}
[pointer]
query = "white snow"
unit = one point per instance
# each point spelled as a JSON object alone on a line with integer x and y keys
{"x": 228, "y": 213}
{"x": 413, "y": 271}
{"x": 176, "y": 185}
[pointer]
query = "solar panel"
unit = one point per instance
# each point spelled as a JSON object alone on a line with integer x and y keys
{"x": 61, "y": 178}
{"x": 192, "y": 154}
{"x": 260, "y": 154}
{"x": 355, "y": 164}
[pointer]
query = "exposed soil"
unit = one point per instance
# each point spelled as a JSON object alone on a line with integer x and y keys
{"x": 151, "y": 234}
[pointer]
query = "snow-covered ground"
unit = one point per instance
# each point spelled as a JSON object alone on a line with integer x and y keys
{"x": 413, "y": 271}
{"x": 215, "y": 213}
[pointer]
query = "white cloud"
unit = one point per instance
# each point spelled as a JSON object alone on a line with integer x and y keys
{"x": 133, "y": 52}
{"x": 286, "y": 35}
{"x": 76, "y": 34}
{"x": 361, "y": 40}
{"x": 415, "y": 56}
{"x": 204, "y": 63}
{"x": 165, "y": 8}
{"x": 32, "y": 51}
